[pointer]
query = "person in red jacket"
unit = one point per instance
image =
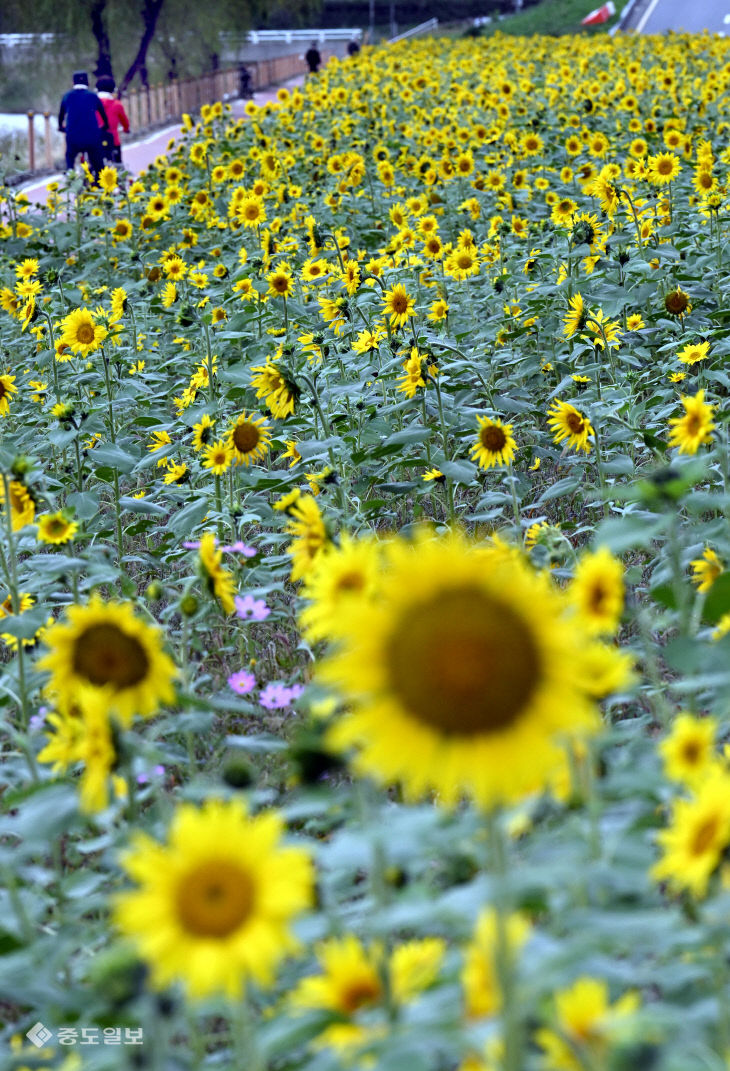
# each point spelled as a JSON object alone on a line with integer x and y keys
{"x": 115, "y": 115}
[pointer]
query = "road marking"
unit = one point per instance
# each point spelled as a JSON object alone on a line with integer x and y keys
{"x": 646, "y": 16}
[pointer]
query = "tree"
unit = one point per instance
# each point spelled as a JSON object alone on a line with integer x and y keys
{"x": 150, "y": 14}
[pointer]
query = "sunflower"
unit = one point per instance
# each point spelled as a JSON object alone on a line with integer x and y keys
{"x": 249, "y": 439}
{"x": 355, "y": 978}
{"x": 597, "y": 592}
{"x": 567, "y": 422}
{"x": 219, "y": 580}
{"x": 307, "y": 526}
{"x": 250, "y": 211}
{"x": 688, "y": 752}
{"x": 563, "y": 211}
{"x": 26, "y": 601}
{"x": 108, "y": 179}
{"x": 217, "y": 457}
{"x": 705, "y": 570}
{"x": 479, "y": 979}
{"x": 85, "y": 735}
{"x": 677, "y": 303}
{"x": 663, "y": 168}
{"x": 339, "y": 575}
{"x": 463, "y": 675}
{"x": 214, "y": 903}
{"x": 399, "y": 305}
{"x": 694, "y": 352}
{"x": 281, "y": 281}
{"x": 698, "y": 834}
{"x": 576, "y": 318}
{"x": 7, "y": 389}
{"x": 203, "y": 432}
{"x": 586, "y": 1024}
{"x": 22, "y": 506}
{"x": 278, "y": 391}
{"x": 693, "y": 429}
{"x": 495, "y": 443}
{"x": 104, "y": 649}
{"x": 56, "y": 528}
{"x": 122, "y": 230}
{"x": 461, "y": 263}
{"x": 81, "y": 333}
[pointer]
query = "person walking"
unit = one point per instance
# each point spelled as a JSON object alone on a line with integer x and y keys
{"x": 313, "y": 58}
{"x": 115, "y": 115}
{"x": 82, "y": 118}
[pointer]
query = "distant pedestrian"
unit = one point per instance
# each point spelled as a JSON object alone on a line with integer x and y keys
{"x": 82, "y": 118}
{"x": 353, "y": 48}
{"x": 115, "y": 115}
{"x": 313, "y": 58}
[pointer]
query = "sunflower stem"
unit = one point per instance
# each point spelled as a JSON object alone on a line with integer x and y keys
{"x": 601, "y": 474}
{"x": 515, "y": 503}
{"x": 244, "y": 1037}
{"x": 512, "y": 1033}
{"x": 15, "y": 600}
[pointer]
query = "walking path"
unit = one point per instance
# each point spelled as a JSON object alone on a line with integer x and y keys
{"x": 138, "y": 155}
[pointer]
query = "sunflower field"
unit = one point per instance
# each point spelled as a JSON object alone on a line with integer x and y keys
{"x": 365, "y": 611}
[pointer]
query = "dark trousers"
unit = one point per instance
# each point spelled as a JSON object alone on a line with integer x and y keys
{"x": 94, "y": 153}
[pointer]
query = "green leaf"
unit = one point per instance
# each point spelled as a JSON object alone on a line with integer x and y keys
{"x": 114, "y": 456}
{"x": 85, "y": 504}
{"x": 717, "y": 600}
{"x": 142, "y": 505}
{"x": 459, "y": 471}
{"x": 183, "y": 522}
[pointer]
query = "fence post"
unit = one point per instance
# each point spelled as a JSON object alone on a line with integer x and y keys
{"x": 47, "y": 137}
{"x": 31, "y": 141}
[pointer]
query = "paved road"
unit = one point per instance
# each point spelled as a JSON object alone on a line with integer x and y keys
{"x": 139, "y": 154}
{"x": 658, "y": 16}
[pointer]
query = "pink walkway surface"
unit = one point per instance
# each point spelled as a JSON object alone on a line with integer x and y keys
{"x": 137, "y": 155}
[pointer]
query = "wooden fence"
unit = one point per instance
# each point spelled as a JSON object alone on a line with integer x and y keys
{"x": 157, "y": 105}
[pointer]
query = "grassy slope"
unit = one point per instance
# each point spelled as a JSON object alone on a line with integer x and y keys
{"x": 553, "y": 17}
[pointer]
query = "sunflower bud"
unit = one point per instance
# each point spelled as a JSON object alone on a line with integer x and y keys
{"x": 188, "y": 605}
{"x": 21, "y": 466}
{"x": 154, "y": 591}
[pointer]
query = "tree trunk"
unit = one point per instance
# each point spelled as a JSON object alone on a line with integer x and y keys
{"x": 150, "y": 15}
{"x": 98, "y": 28}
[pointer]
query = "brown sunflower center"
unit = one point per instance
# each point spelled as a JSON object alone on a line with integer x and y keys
{"x": 493, "y": 438}
{"x": 575, "y": 423}
{"x": 85, "y": 334}
{"x": 691, "y": 752}
{"x": 676, "y": 302}
{"x": 280, "y": 283}
{"x": 214, "y": 899}
{"x": 359, "y": 992}
{"x": 463, "y": 662}
{"x": 399, "y": 302}
{"x": 694, "y": 423}
{"x": 352, "y": 581}
{"x": 598, "y": 598}
{"x": 57, "y": 526}
{"x": 704, "y": 835}
{"x": 246, "y": 437}
{"x": 105, "y": 654}
{"x": 664, "y": 167}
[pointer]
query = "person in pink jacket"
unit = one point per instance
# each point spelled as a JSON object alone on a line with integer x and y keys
{"x": 115, "y": 115}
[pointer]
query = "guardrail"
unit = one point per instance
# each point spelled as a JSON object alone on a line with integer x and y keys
{"x": 256, "y": 37}
{"x": 423, "y": 27}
